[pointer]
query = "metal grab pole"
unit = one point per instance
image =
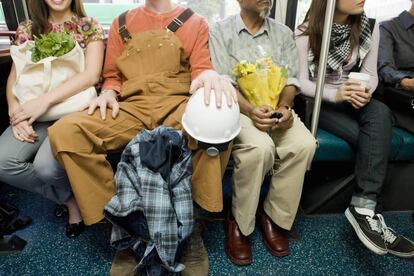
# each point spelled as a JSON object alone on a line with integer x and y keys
{"x": 329, "y": 14}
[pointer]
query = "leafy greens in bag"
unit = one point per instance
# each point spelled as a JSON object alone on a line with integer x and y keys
{"x": 52, "y": 44}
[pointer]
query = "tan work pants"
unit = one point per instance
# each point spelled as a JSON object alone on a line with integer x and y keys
{"x": 81, "y": 142}
{"x": 254, "y": 153}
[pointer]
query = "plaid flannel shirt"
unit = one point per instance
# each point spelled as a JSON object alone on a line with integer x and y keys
{"x": 166, "y": 205}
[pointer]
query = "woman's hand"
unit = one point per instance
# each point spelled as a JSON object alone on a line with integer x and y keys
{"x": 13, "y": 108}
{"x": 360, "y": 99}
{"x": 24, "y": 132}
{"x": 30, "y": 111}
{"x": 346, "y": 90}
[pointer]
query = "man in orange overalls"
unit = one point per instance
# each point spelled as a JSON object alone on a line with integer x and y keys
{"x": 156, "y": 56}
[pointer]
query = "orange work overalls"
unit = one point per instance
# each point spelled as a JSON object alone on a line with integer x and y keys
{"x": 154, "y": 93}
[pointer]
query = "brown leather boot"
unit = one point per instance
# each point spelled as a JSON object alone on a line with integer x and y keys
{"x": 236, "y": 245}
{"x": 274, "y": 237}
{"x": 124, "y": 263}
{"x": 195, "y": 256}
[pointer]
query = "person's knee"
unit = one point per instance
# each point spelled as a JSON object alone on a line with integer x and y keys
{"x": 309, "y": 144}
{"x": 67, "y": 125}
{"x": 381, "y": 112}
{"x": 45, "y": 171}
{"x": 262, "y": 154}
{"x": 306, "y": 146}
{"x": 10, "y": 164}
{"x": 386, "y": 114}
{"x": 45, "y": 175}
{"x": 68, "y": 135}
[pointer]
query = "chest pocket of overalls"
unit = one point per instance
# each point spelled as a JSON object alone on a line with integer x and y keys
{"x": 151, "y": 53}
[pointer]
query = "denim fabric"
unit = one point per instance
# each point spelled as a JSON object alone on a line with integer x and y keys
{"x": 396, "y": 55}
{"x": 368, "y": 130}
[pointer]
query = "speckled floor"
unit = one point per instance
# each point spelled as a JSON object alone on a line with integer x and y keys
{"x": 327, "y": 246}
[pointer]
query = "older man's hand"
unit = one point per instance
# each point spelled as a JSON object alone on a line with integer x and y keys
{"x": 211, "y": 80}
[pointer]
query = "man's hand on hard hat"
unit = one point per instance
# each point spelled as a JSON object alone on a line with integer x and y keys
{"x": 107, "y": 99}
{"x": 262, "y": 117}
{"x": 211, "y": 80}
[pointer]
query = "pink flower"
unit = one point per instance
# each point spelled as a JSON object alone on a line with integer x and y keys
{"x": 86, "y": 28}
{"x": 78, "y": 38}
{"x": 69, "y": 26}
{"x": 23, "y": 38}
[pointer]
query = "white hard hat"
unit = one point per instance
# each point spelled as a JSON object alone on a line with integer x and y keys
{"x": 214, "y": 128}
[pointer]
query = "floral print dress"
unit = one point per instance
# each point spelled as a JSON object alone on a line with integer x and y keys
{"x": 83, "y": 30}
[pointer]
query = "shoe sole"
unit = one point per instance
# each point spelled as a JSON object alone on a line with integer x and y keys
{"x": 401, "y": 255}
{"x": 274, "y": 252}
{"x": 237, "y": 261}
{"x": 364, "y": 239}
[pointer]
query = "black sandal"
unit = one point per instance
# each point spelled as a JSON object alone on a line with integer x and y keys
{"x": 74, "y": 229}
{"x": 61, "y": 211}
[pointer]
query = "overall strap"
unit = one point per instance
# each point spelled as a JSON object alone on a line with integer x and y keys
{"x": 122, "y": 30}
{"x": 177, "y": 22}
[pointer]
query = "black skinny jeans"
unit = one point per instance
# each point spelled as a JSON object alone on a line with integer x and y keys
{"x": 368, "y": 130}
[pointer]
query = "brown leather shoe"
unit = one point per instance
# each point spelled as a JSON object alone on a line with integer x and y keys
{"x": 236, "y": 245}
{"x": 274, "y": 237}
{"x": 124, "y": 263}
{"x": 195, "y": 256}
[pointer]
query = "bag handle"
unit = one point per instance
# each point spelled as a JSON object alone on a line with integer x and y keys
{"x": 47, "y": 75}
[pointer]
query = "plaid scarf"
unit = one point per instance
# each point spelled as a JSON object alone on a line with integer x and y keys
{"x": 340, "y": 48}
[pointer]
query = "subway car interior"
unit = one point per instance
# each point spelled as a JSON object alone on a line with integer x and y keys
{"x": 321, "y": 240}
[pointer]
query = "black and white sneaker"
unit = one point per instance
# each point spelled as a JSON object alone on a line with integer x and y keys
{"x": 368, "y": 230}
{"x": 396, "y": 244}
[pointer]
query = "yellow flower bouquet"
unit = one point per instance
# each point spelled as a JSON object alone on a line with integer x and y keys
{"x": 261, "y": 82}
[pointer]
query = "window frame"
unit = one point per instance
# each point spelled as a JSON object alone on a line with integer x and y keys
{"x": 292, "y": 9}
{"x": 15, "y": 11}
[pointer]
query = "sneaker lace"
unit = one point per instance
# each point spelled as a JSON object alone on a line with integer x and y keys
{"x": 387, "y": 233}
{"x": 374, "y": 224}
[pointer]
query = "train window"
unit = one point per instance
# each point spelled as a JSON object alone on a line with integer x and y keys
{"x": 2, "y": 19}
{"x": 385, "y": 9}
{"x": 378, "y": 9}
{"x": 303, "y": 6}
{"x": 213, "y": 10}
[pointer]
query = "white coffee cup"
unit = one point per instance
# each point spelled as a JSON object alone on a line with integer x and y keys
{"x": 361, "y": 77}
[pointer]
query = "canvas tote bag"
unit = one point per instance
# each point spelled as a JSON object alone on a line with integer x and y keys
{"x": 36, "y": 78}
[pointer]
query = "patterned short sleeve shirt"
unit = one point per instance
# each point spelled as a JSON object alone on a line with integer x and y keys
{"x": 83, "y": 30}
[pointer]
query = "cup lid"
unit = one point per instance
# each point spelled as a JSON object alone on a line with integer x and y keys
{"x": 359, "y": 76}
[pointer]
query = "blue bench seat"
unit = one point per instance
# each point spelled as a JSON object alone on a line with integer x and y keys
{"x": 333, "y": 148}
